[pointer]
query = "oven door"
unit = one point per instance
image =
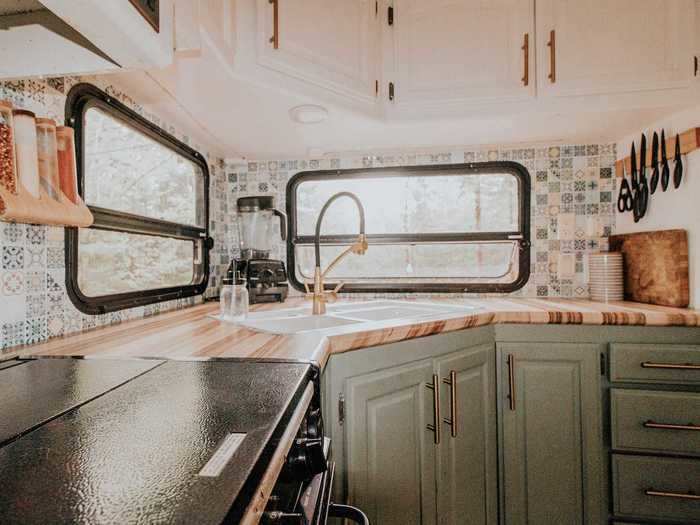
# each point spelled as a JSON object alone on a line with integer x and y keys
{"x": 318, "y": 495}
{"x": 308, "y": 503}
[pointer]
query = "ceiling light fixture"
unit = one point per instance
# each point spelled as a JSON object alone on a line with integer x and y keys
{"x": 308, "y": 114}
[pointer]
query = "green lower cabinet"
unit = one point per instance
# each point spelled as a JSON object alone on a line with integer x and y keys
{"x": 550, "y": 401}
{"x": 468, "y": 461}
{"x": 396, "y": 472}
{"x": 390, "y": 455}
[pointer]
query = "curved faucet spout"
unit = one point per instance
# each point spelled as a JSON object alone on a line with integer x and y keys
{"x": 359, "y": 247}
{"x": 360, "y": 208}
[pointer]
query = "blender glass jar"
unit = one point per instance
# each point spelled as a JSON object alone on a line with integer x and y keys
{"x": 256, "y": 226}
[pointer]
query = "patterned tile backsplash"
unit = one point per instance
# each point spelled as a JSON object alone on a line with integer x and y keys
{"x": 33, "y": 301}
{"x": 571, "y": 201}
{"x": 572, "y": 213}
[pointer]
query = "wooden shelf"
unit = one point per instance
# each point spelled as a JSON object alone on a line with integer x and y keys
{"x": 23, "y": 207}
{"x": 690, "y": 141}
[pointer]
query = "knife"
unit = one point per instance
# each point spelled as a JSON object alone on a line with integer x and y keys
{"x": 654, "y": 182}
{"x": 678, "y": 164}
{"x": 665, "y": 171}
{"x": 642, "y": 159}
{"x": 633, "y": 170}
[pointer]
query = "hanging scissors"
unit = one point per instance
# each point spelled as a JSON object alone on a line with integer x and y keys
{"x": 624, "y": 200}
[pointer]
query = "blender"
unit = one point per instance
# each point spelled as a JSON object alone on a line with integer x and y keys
{"x": 265, "y": 278}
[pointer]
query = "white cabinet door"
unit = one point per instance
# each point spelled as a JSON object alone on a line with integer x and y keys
{"x": 218, "y": 25}
{"x": 330, "y": 43}
{"x": 461, "y": 50}
{"x": 604, "y": 46}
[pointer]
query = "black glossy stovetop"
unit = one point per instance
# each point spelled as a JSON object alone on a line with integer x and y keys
{"x": 97, "y": 441}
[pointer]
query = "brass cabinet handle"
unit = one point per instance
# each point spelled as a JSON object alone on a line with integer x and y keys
{"x": 526, "y": 59}
{"x": 674, "y": 366}
{"x": 677, "y": 495}
{"x": 435, "y": 426}
{"x": 552, "y": 45}
{"x": 452, "y": 420}
{"x": 511, "y": 381}
{"x": 669, "y": 426}
{"x": 275, "y": 38}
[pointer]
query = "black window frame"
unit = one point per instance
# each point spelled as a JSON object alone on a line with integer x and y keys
{"x": 86, "y": 96}
{"x": 522, "y": 236}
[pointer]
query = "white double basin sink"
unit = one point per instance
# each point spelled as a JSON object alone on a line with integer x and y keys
{"x": 299, "y": 320}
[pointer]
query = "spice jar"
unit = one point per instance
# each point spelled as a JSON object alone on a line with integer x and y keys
{"x": 48, "y": 156}
{"x": 67, "y": 175}
{"x": 8, "y": 170}
{"x": 25, "y": 150}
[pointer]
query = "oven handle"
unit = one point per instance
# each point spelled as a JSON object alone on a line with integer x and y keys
{"x": 349, "y": 513}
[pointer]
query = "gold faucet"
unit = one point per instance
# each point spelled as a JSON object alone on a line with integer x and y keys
{"x": 319, "y": 296}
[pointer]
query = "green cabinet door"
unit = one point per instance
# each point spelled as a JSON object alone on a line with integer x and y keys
{"x": 390, "y": 454}
{"x": 550, "y": 402}
{"x": 467, "y": 463}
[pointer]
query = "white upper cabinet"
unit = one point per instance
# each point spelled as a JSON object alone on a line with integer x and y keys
{"x": 603, "y": 46}
{"x": 59, "y": 37}
{"x": 218, "y": 24}
{"x": 120, "y": 30}
{"x": 461, "y": 50}
{"x": 329, "y": 43}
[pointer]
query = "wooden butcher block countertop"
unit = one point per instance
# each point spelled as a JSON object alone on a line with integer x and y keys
{"x": 192, "y": 334}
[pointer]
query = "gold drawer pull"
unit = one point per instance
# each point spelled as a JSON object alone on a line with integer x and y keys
{"x": 670, "y": 426}
{"x": 526, "y": 59}
{"x": 674, "y": 366}
{"x": 275, "y": 38}
{"x": 452, "y": 420}
{"x": 435, "y": 426}
{"x": 552, "y": 57}
{"x": 677, "y": 495}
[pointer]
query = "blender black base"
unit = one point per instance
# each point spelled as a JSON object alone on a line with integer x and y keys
{"x": 266, "y": 279}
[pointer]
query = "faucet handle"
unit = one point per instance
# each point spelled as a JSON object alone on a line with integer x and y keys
{"x": 333, "y": 294}
{"x": 309, "y": 293}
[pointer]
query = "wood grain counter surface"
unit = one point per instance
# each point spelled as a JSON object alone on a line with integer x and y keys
{"x": 191, "y": 334}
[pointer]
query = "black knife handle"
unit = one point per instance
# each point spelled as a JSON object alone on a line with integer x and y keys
{"x": 678, "y": 164}
{"x": 654, "y": 181}
{"x": 665, "y": 175}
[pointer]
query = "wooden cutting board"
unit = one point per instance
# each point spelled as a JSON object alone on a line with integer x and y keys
{"x": 656, "y": 266}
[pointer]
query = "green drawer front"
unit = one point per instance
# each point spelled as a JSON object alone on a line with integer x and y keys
{"x": 655, "y": 363}
{"x": 653, "y": 421}
{"x": 635, "y": 476}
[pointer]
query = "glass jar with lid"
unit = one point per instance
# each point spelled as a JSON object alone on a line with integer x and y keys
{"x": 8, "y": 169}
{"x": 24, "y": 125}
{"x": 47, "y": 152}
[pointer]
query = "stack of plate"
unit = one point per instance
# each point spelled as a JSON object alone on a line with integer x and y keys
{"x": 606, "y": 276}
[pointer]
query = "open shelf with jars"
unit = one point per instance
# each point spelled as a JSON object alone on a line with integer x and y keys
{"x": 38, "y": 180}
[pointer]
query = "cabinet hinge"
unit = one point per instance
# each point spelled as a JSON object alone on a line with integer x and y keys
{"x": 602, "y": 364}
{"x": 390, "y": 15}
{"x": 391, "y": 91}
{"x": 341, "y": 408}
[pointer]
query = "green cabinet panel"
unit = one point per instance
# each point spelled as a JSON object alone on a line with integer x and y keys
{"x": 552, "y": 437}
{"x": 655, "y": 363}
{"x": 390, "y": 453}
{"x": 654, "y": 421}
{"x": 468, "y": 462}
{"x": 649, "y": 487}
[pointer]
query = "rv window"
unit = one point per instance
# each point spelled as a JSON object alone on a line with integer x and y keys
{"x": 148, "y": 194}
